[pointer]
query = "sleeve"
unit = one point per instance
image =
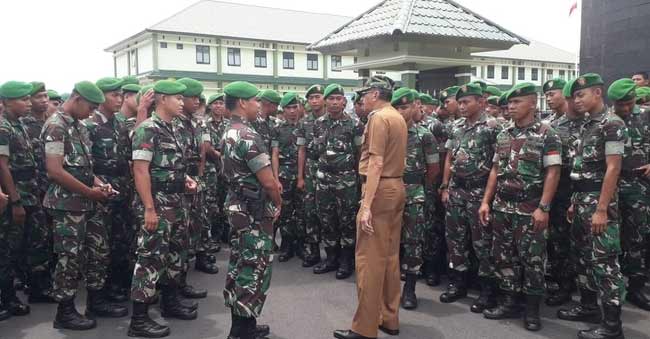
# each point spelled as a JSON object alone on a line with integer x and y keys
{"x": 53, "y": 138}
{"x": 275, "y": 136}
{"x": 430, "y": 148}
{"x": 552, "y": 152}
{"x": 255, "y": 153}
{"x": 205, "y": 133}
{"x": 144, "y": 143}
{"x": 299, "y": 133}
{"x": 5, "y": 139}
{"x": 358, "y": 133}
{"x": 451, "y": 143}
{"x": 616, "y": 135}
{"x": 377, "y": 135}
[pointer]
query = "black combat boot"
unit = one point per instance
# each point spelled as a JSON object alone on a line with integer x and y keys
{"x": 143, "y": 326}
{"x": 10, "y": 300}
{"x": 487, "y": 297}
{"x": 431, "y": 273}
{"x": 286, "y": 250}
{"x": 115, "y": 292}
{"x": 259, "y": 331}
{"x": 635, "y": 293}
{"x": 409, "y": 299}
{"x": 562, "y": 295}
{"x": 610, "y": 328}
{"x": 39, "y": 290}
{"x": 98, "y": 306}
{"x": 299, "y": 249}
{"x": 4, "y": 313}
{"x": 206, "y": 263}
{"x": 507, "y": 308}
{"x": 188, "y": 291}
{"x": 456, "y": 288}
{"x": 67, "y": 317}
{"x": 532, "y": 322}
{"x": 346, "y": 263}
{"x": 312, "y": 255}
{"x": 171, "y": 306}
{"x": 587, "y": 311}
{"x": 331, "y": 263}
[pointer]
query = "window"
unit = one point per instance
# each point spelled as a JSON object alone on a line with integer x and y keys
{"x": 504, "y": 72}
{"x": 260, "y": 58}
{"x": 312, "y": 62}
{"x": 521, "y": 73}
{"x": 202, "y": 54}
{"x": 336, "y": 62}
{"x": 234, "y": 57}
{"x": 473, "y": 71}
{"x": 287, "y": 60}
{"x": 490, "y": 72}
{"x": 534, "y": 74}
{"x": 549, "y": 74}
{"x": 179, "y": 46}
{"x": 163, "y": 45}
{"x": 561, "y": 74}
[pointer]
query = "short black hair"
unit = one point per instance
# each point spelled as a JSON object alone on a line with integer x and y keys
{"x": 385, "y": 94}
{"x": 230, "y": 102}
{"x": 643, "y": 74}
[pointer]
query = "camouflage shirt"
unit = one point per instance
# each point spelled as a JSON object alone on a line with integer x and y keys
{"x": 569, "y": 132}
{"x": 637, "y": 147}
{"x": 263, "y": 128}
{"x": 421, "y": 152}
{"x": 522, "y": 155}
{"x": 216, "y": 129}
{"x": 440, "y": 130}
{"x": 33, "y": 127}
{"x": 337, "y": 143}
{"x": 68, "y": 137}
{"x": 192, "y": 133}
{"x": 284, "y": 139}
{"x": 305, "y": 137}
{"x": 16, "y": 146}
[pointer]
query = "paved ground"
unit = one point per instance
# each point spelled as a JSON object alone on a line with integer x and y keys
{"x": 303, "y": 305}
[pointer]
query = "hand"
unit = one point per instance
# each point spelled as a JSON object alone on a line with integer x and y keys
{"x": 150, "y": 219}
{"x": 484, "y": 214}
{"x": 4, "y": 201}
{"x": 644, "y": 170}
{"x": 540, "y": 220}
{"x": 444, "y": 196}
{"x": 279, "y": 186}
{"x": 276, "y": 215}
{"x": 300, "y": 185}
{"x": 190, "y": 185}
{"x": 146, "y": 100}
{"x": 365, "y": 221}
{"x": 598, "y": 222}
{"x": 570, "y": 213}
{"x": 18, "y": 214}
{"x": 97, "y": 194}
{"x": 108, "y": 189}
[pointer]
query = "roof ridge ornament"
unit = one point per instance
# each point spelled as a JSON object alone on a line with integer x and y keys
{"x": 403, "y": 17}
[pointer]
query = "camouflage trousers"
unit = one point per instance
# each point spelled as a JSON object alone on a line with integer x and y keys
{"x": 464, "y": 232}
{"x": 162, "y": 253}
{"x": 435, "y": 244}
{"x": 597, "y": 267}
{"x": 560, "y": 257}
{"x": 215, "y": 196}
{"x": 198, "y": 230}
{"x": 291, "y": 221}
{"x": 251, "y": 256}
{"x": 634, "y": 205}
{"x": 82, "y": 247}
{"x": 337, "y": 208}
{"x": 519, "y": 254}
{"x": 414, "y": 228}
{"x": 310, "y": 208}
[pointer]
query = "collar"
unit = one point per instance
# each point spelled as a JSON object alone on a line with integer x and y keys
{"x": 101, "y": 116}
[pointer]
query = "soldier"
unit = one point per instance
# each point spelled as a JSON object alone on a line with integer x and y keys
{"x": 524, "y": 178}
{"x": 555, "y": 98}
{"x": 641, "y": 78}
{"x": 358, "y": 108}
{"x": 634, "y": 186}
{"x": 266, "y": 119}
{"x": 504, "y": 106}
{"x": 306, "y": 181}
{"x": 493, "y": 108}
{"x": 70, "y": 199}
{"x": 643, "y": 97}
{"x": 253, "y": 204}
{"x": 215, "y": 193}
{"x": 429, "y": 106}
{"x": 18, "y": 178}
{"x": 470, "y": 150}
{"x": 54, "y": 102}
{"x": 159, "y": 169}
{"x": 594, "y": 211}
{"x": 422, "y": 165}
{"x": 336, "y": 143}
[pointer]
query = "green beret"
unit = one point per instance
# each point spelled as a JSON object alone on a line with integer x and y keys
{"x": 469, "y": 90}
{"x": 142, "y": 91}
{"x": 241, "y": 90}
{"x": 37, "y": 86}
{"x": 449, "y": 92}
{"x": 426, "y": 99}
{"x": 378, "y": 81}
{"x": 65, "y": 96}
{"x": 586, "y": 81}
{"x": 130, "y": 80}
{"x": 169, "y": 87}
{"x": 109, "y": 84}
{"x": 493, "y": 100}
{"x": 314, "y": 89}
{"x": 131, "y": 88}
{"x": 53, "y": 95}
{"x": 356, "y": 97}
{"x": 193, "y": 88}
{"x": 521, "y": 90}
{"x": 622, "y": 90}
{"x": 503, "y": 101}
{"x": 270, "y": 96}
{"x": 289, "y": 98}
{"x": 15, "y": 90}
{"x": 642, "y": 94}
{"x": 402, "y": 96}
{"x": 481, "y": 83}
{"x": 553, "y": 84}
{"x": 333, "y": 89}
{"x": 90, "y": 92}
{"x": 202, "y": 98}
{"x": 492, "y": 91}
{"x": 566, "y": 90}
{"x": 215, "y": 97}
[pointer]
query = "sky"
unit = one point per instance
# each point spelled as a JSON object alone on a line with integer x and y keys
{"x": 62, "y": 42}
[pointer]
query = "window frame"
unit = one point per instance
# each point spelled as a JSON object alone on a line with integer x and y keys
{"x": 521, "y": 73}
{"x": 288, "y": 63}
{"x": 312, "y": 62}
{"x": 490, "y": 75}
{"x": 202, "y": 50}
{"x": 235, "y": 53}
{"x": 261, "y": 58}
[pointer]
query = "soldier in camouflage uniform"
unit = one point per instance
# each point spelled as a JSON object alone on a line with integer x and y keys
{"x": 215, "y": 194}
{"x": 594, "y": 211}
{"x": 524, "y": 177}
{"x": 634, "y": 189}
{"x": 252, "y": 206}
{"x": 336, "y": 142}
{"x": 422, "y": 165}
{"x": 266, "y": 119}
{"x": 160, "y": 173}
{"x": 358, "y": 109}
{"x": 470, "y": 149}
{"x": 81, "y": 246}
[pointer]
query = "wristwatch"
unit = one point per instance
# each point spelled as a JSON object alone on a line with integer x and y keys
{"x": 544, "y": 207}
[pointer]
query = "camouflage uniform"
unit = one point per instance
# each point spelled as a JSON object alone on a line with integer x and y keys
{"x": 76, "y": 241}
{"x": 263, "y": 128}
{"x": 33, "y": 127}
{"x": 161, "y": 253}
{"x": 422, "y": 151}
{"x": 250, "y": 214}
{"x": 520, "y": 252}
{"x": 215, "y": 193}
{"x": 472, "y": 151}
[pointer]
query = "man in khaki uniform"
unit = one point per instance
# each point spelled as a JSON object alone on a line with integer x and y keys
{"x": 379, "y": 221}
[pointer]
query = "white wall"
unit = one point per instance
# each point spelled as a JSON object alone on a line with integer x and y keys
{"x": 172, "y": 58}
{"x": 247, "y": 56}
{"x": 122, "y": 65}
{"x": 145, "y": 57}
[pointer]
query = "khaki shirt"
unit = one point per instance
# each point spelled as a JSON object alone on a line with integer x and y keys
{"x": 386, "y": 135}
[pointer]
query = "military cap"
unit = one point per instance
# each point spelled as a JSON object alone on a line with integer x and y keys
{"x": 493, "y": 100}
{"x": 90, "y": 92}
{"x": 314, "y": 89}
{"x": 553, "y": 84}
{"x": 492, "y": 91}
{"x": 426, "y": 99}
{"x": 503, "y": 101}
{"x": 130, "y": 80}
{"x": 289, "y": 98}
{"x": 416, "y": 94}
{"x": 65, "y": 96}
{"x": 193, "y": 88}
{"x": 481, "y": 83}
{"x": 468, "y": 90}
{"x": 215, "y": 97}
{"x": 521, "y": 90}
{"x": 356, "y": 97}
{"x": 142, "y": 91}
{"x": 586, "y": 81}
{"x": 109, "y": 84}
{"x": 15, "y": 89}
{"x": 131, "y": 88}
{"x": 566, "y": 91}
{"x": 241, "y": 89}
{"x": 169, "y": 87}
{"x": 402, "y": 96}
{"x": 622, "y": 90}
{"x": 37, "y": 86}
{"x": 53, "y": 95}
{"x": 642, "y": 94}
{"x": 202, "y": 98}
{"x": 333, "y": 89}
{"x": 449, "y": 92}
{"x": 302, "y": 100}
{"x": 378, "y": 81}
{"x": 270, "y": 96}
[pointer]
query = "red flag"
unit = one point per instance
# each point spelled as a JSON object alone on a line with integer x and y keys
{"x": 573, "y": 8}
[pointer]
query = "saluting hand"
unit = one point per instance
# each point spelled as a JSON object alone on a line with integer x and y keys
{"x": 365, "y": 221}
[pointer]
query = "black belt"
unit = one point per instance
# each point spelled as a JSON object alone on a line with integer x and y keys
{"x": 518, "y": 196}
{"x": 111, "y": 171}
{"x": 168, "y": 187}
{"x": 413, "y": 178}
{"x": 334, "y": 169}
{"x": 584, "y": 186}
{"x": 24, "y": 175}
{"x": 365, "y": 178}
{"x": 465, "y": 183}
